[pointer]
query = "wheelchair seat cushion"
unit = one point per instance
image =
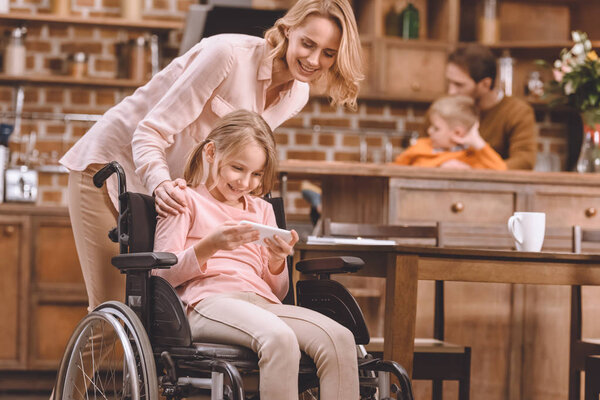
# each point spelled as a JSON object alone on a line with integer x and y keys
{"x": 240, "y": 356}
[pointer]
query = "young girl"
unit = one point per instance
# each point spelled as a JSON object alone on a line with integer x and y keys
{"x": 150, "y": 132}
{"x": 231, "y": 286}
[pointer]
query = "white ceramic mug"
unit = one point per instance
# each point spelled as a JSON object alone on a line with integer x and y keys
{"x": 528, "y": 229}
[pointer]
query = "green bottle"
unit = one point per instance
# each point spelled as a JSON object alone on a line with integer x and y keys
{"x": 409, "y": 20}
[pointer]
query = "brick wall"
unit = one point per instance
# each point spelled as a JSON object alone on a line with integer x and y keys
{"x": 319, "y": 132}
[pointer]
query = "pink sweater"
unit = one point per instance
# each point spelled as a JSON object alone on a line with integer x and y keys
{"x": 244, "y": 269}
{"x": 151, "y": 132}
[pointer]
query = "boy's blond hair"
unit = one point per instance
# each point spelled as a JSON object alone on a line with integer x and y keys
{"x": 233, "y": 133}
{"x": 345, "y": 74}
{"x": 455, "y": 110}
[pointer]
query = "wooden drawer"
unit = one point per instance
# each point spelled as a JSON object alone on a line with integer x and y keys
{"x": 51, "y": 328}
{"x": 568, "y": 210}
{"x": 56, "y": 261}
{"x": 451, "y": 206}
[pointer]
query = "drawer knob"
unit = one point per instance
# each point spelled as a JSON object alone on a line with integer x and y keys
{"x": 457, "y": 207}
{"x": 416, "y": 86}
{"x": 9, "y": 231}
{"x": 590, "y": 212}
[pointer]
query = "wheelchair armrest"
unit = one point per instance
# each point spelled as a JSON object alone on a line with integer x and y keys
{"x": 144, "y": 260}
{"x": 330, "y": 265}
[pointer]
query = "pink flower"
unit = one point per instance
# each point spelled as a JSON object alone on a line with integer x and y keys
{"x": 558, "y": 75}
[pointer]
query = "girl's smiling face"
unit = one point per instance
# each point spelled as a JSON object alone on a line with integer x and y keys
{"x": 239, "y": 176}
{"x": 312, "y": 47}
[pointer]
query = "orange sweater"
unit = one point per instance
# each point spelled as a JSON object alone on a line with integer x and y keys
{"x": 421, "y": 154}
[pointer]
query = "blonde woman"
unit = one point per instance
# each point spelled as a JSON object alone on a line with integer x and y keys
{"x": 151, "y": 132}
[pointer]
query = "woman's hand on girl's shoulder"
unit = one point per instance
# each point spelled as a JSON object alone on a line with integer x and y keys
{"x": 279, "y": 249}
{"x": 169, "y": 197}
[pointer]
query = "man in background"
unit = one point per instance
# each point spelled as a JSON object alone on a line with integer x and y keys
{"x": 506, "y": 123}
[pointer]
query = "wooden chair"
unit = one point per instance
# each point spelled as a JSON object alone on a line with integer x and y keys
{"x": 434, "y": 359}
{"x": 592, "y": 386}
{"x": 581, "y": 348}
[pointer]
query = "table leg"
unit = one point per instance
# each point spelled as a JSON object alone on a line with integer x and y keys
{"x": 401, "y": 309}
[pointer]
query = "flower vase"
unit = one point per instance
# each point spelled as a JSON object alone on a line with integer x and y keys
{"x": 589, "y": 156}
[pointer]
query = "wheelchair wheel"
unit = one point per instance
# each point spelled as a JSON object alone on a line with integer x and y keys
{"x": 309, "y": 394}
{"x": 108, "y": 357}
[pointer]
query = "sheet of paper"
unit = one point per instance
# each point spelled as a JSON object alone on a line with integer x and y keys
{"x": 341, "y": 240}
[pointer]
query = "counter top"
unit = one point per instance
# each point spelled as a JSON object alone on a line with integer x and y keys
{"x": 32, "y": 209}
{"x": 316, "y": 169}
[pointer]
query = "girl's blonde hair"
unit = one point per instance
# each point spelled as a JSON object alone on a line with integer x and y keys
{"x": 344, "y": 76}
{"x": 455, "y": 110}
{"x": 233, "y": 133}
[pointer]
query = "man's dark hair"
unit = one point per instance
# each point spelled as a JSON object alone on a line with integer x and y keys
{"x": 477, "y": 60}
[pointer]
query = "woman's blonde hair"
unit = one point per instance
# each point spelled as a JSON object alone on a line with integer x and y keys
{"x": 232, "y": 135}
{"x": 344, "y": 76}
{"x": 455, "y": 110}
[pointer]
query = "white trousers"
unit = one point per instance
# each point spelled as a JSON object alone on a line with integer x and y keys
{"x": 92, "y": 216}
{"x": 277, "y": 333}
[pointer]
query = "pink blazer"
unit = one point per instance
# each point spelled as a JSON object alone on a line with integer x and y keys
{"x": 152, "y": 131}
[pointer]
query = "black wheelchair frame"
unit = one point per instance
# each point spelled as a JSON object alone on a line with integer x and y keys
{"x": 153, "y": 339}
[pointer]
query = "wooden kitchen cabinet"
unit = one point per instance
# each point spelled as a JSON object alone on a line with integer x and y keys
{"x": 410, "y": 70}
{"x": 13, "y": 288}
{"x": 42, "y": 295}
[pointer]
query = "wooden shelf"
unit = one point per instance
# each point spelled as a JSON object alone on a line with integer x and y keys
{"x": 159, "y": 25}
{"x": 67, "y": 80}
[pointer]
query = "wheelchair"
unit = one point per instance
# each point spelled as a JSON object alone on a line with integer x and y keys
{"x": 143, "y": 349}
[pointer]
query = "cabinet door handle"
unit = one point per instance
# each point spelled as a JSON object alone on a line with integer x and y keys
{"x": 416, "y": 86}
{"x": 590, "y": 212}
{"x": 9, "y": 231}
{"x": 457, "y": 207}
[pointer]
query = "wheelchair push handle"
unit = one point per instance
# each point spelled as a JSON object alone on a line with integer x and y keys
{"x": 107, "y": 171}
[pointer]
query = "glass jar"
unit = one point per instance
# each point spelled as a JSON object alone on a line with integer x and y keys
{"x": 589, "y": 155}
{"x": 505, "y": 73}
{"x": 14, "y": 54}
{"x": 488, "y": 30}
{"x": 137, "y": 60}
{"x": 131, "y": 10}
{"x": 78, "y": 65}
{"x": 61, "y": 7}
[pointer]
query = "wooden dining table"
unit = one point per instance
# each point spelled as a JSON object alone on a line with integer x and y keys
{"x": 403, "y": 265}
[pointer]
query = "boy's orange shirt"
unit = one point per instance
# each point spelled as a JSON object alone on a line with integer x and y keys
{"x": 422, "y": 154}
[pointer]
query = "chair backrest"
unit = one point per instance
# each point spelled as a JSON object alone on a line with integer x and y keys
{"x": 416, "y": 231}
{"x": 581, "y": 235}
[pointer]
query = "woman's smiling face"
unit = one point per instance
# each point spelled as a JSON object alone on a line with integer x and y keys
{"x": 312, "y": 47}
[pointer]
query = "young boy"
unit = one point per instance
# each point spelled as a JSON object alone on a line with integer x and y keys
{"x": 454, "y": 140}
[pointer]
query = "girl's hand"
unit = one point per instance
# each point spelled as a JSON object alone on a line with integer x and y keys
{"x": 169, "y": 197}
{"x": 279, "y": 249}
{"x": 230, "y": 236}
